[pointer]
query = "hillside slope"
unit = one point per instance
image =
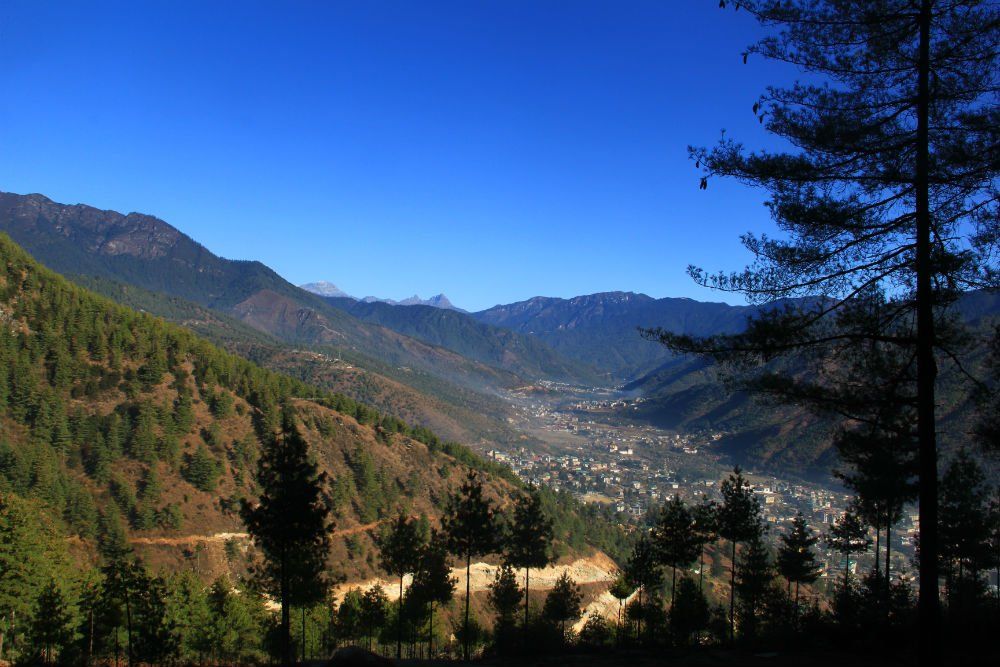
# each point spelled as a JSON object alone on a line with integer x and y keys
{"x": 118, "y": 421}
{"x": 525, "y": 355}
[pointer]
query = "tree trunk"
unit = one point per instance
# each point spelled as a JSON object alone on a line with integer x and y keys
{"x": 527, "y": 570}
{"x": 430, "y": 634}
{"x": 128, "y": 626}
{"x": 90, "y": 642}
{"x": 701, "y": 570}
{"x": 673, "y": 585}
{"x": 847, "y": 572}
{"x": 399, "y": 622}
{"x": 928, "y": 603}
{"x": 286, "y": 618}
{"x": 468, "y": 596}
{"x": 303, "y": 634}
{"x": 888, "y": 551}
{"x": 638, "y": 625}
{"x": 732, "y": 596}
{"x": 878, "y": 549}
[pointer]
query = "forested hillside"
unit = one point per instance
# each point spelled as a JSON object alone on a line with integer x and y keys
{"x": 120, "y": 423}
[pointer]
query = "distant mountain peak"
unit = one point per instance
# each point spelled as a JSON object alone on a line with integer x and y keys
{"x": 325, "y": 288}
{"x": 436, "y": 301}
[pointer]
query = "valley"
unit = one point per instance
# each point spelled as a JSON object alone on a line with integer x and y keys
{"x": 561, "y": 393}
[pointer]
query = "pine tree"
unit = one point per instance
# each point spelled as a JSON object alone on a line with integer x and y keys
{"x": 689, "y": 614}
{"x": 374, "y": 611}
{"x": 349, "y": 616}
{"x": 432, "y": 582}
{"x": 847, "y": 536}
{"x": 706, "y": 530}
{"x": 676, "y": 539}
{"x": 470, "y": 526}
{"x": 738, "y": 520}
{"x": 234, "y": 626}
{"x": 529, "y": 540}
{"x": 621, "y": 589}
{"x": 796, "y": 558}
{"x": 756, "y": 575}
{"x": 399, "y": 550}
{"x": 52, "y": 626}
{"x": 504, "y": 597}
{"x": 27, "y": 559}
{"x": 883, "y": 468}
{"x": 890, "y": 188}
{"x": 642, "y": 570}
{"x": 562, "y": 604}
{"x": 290, "y": 524}
{"x": 965, "y": 522}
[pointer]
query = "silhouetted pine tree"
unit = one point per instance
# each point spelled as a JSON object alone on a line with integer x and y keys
{"x": 689, "y": 613}
{"x": 471, "y": 528}
{"x": 965, "y": 527}
{"x": 562, "y": 604}
{"x": 529, "y": 539}
{"x": 675, "y": 537}
{"x": 738, "y": 520}
{"x": 374, "y": 611}
{"x": 432, "y": 582}
{"x": 504, "y": 597}
{"x": 706, "y": 522}
{"x": 290, "y": 525}
{"x": 890, "y": 187}
{"x": 849, "y": 535}
{"x": 753, "y": 583}
{"x": 796, "y": 558}
{"x": 399, "y": 550}
{"x": 642, "y": 570}
{"x": 621, "y": 589}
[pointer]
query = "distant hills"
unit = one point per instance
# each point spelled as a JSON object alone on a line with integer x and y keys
{"x": 603, "y": 329}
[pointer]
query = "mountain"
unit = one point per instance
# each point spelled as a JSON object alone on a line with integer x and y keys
{"x": 120, "y": 422}
{"x": 438, "y": 301}
{"x": 495, "y": 346}
{"x": 146, "y": 252}
{"x": 602, "y": 329}
{"x": 324, "y": 288}
{"x": 327, "y": 289}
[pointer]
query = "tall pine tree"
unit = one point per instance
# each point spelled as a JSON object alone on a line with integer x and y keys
{"x": 290, "y": 524}
{"x": 888, "y": 192}
{"x": 470, "y": 525}
{"x": 529, "y": 540}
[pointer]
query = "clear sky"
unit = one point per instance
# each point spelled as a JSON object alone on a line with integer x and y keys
{"x": 492, "y": 150}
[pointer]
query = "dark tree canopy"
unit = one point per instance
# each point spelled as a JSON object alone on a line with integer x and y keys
{"x": 529, "y": 539}
{"x": 471, "y": 528}
{"x": 290, "y": 524}
{"x": 849, "y": 535}
{"x": 796, "y": 555}
{"x": 676, "y": 538}
{"x": 886, "y": 206}
{"x": 399, "y": 550}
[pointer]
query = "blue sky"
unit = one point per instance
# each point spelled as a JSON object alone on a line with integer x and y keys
{"x": 493, "y": 151}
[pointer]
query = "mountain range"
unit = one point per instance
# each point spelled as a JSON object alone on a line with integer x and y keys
{"x": 432, "y": 365}
{"x": 327, "y": 289}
